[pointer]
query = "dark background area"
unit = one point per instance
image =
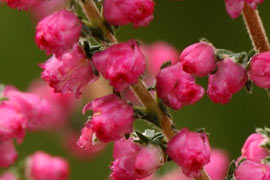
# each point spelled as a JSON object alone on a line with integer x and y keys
{"x": 177, "y": 22}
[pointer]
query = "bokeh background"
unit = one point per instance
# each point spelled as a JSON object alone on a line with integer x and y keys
{"x": 179, "y": 23}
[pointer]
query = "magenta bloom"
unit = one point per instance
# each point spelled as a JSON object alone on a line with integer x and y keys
{"x": 122, "y": 64}
{"x": 12, "y": 123}
{"x": 228, "y": 80}
{"x": 8, "y": 176}
{"x": 250, "y": 170}
{"x": 8, "y": 154}
{"x": 235, "y": 7}
{"x": 252, "y": 149}
{"x": 218, "y": 165}
{"x": 58, "y": 32}
{"x": 177, "y": 88}
{"x": 22, "y": 4}
{"x": 112, "y": 119}
{"x": 259, "y": 71}
{"x": 198, "y": 59}
{"x": 133, "y": 161}
{"x": 157, "y": 54}
{"x": 123, "y": 12}
{"x": 42, "y": 166}
{"x": 190, "y": 150}
{"x": 35, "y": 109}
{"x": 69, "y": 72}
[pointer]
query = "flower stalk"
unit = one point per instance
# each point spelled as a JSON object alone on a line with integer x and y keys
{"x": 255, "y": 29}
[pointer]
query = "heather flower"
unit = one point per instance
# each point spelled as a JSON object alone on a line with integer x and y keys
{"x": 259, "y": 71}
{"x": 8, "y": 154}
{"x": 122, "y": 64}
{"x": 69, "y": 72}
{"x": 190, "y": 150}
{"x": 177, "y": 88}
{"x": 112, "y": 119}
{"x": 123, "y": 12}
{"x": 42, "y": 166}
{"x": 198, "y": 59}
{"x": 218, "y": 165}
{"x": 12, "y": 123}
{"x": 158, "y": 53}
{"x": 228, "y": 80}
{"x": 8, "y": 176}
{"x": 22, "y": 4}
{"x": 252, "y": 149}
{"x": 250, "y": 170}
{"x": 58, "y": 32}
{"x": 35, "y": 109}
{"x": 235, "y": 7}
{"x": 133, "y": 161}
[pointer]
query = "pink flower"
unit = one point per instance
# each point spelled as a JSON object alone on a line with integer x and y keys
{"x": 133, "y": 161}
{"x": 47, "y": 7}
{"x": 259, "y": 71}
{"x": 252, "y": 149}
{"x": 198, "y": 59}
{"x": 58, "y": 32}
{"x": 35, "y": 109}
{"x": 88, "y": 150}
{"x": 12, "y": 123}
{"x": 8, "y": 154}
{"x": 8, "y": 176}
{"x": 42, "y": 166}
{"x": 69, "y": 72}
{"x": 235, "y": 7}
{"x": 122, "y": 64}
{"x": 228, "y": 80}
{"x": 190, "y": 150}
{"x": 177, "y": 88}
{"x": 112, "y": 119}
{"x": 218, "y": 165}
{"x": 22, "y": 4}
{"x": 159, "y": 53}
{"x": 249, "y": 170}
{"x": 123, "y": 12}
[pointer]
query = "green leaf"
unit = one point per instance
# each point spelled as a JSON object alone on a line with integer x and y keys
{"x": 166, "y": 64}
{"x": 230, "y": 174}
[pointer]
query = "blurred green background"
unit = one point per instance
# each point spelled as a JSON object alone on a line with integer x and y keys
{"x": 177, "y": 22}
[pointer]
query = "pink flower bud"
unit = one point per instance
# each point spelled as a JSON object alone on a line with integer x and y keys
{"x": 252, "y": 149}
{"x": 122, "y": 64}
{"x": 8, "y": 176}
{"x": 12, "y": 123}
{"x": 123, "y": 12}
{"x": 133, "y": 161}
{"x": 159, "y": 53}
{"x": 177, "y": 88}
{"x": 22, "y": 4}
{"x": 190, "y": 150}
{"x": 259, "y": 71}
{"x": 62, "y": 105}
{"x": 228, "y": 80}
{"x": 198, "y": 59}
{"x": 112, "y": 119}
{"x": 58, "y": 32}
{"x": 8, "y": 154}
{"x": 35, "y": 109}
{"x": 42, "y": 166}
{"x": 69, "y": 72}
{"x": 218, "y": 165}
{"x": 249, "y": 170}
{"x": 234, "y": 7}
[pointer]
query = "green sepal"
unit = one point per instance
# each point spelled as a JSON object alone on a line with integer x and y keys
{"x": 166, "y": 64}
{"x": 232, "y": 168}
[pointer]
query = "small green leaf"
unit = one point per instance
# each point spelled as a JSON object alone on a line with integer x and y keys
{"x": 230, "y": 174}
{"x": 166, "y": 64}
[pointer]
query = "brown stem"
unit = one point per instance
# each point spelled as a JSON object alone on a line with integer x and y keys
{"x": 255, "y": 29}
{"x": 92, "y": 13}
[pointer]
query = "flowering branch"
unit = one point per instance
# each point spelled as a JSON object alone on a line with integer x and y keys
{"x": 255, "y": 29}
